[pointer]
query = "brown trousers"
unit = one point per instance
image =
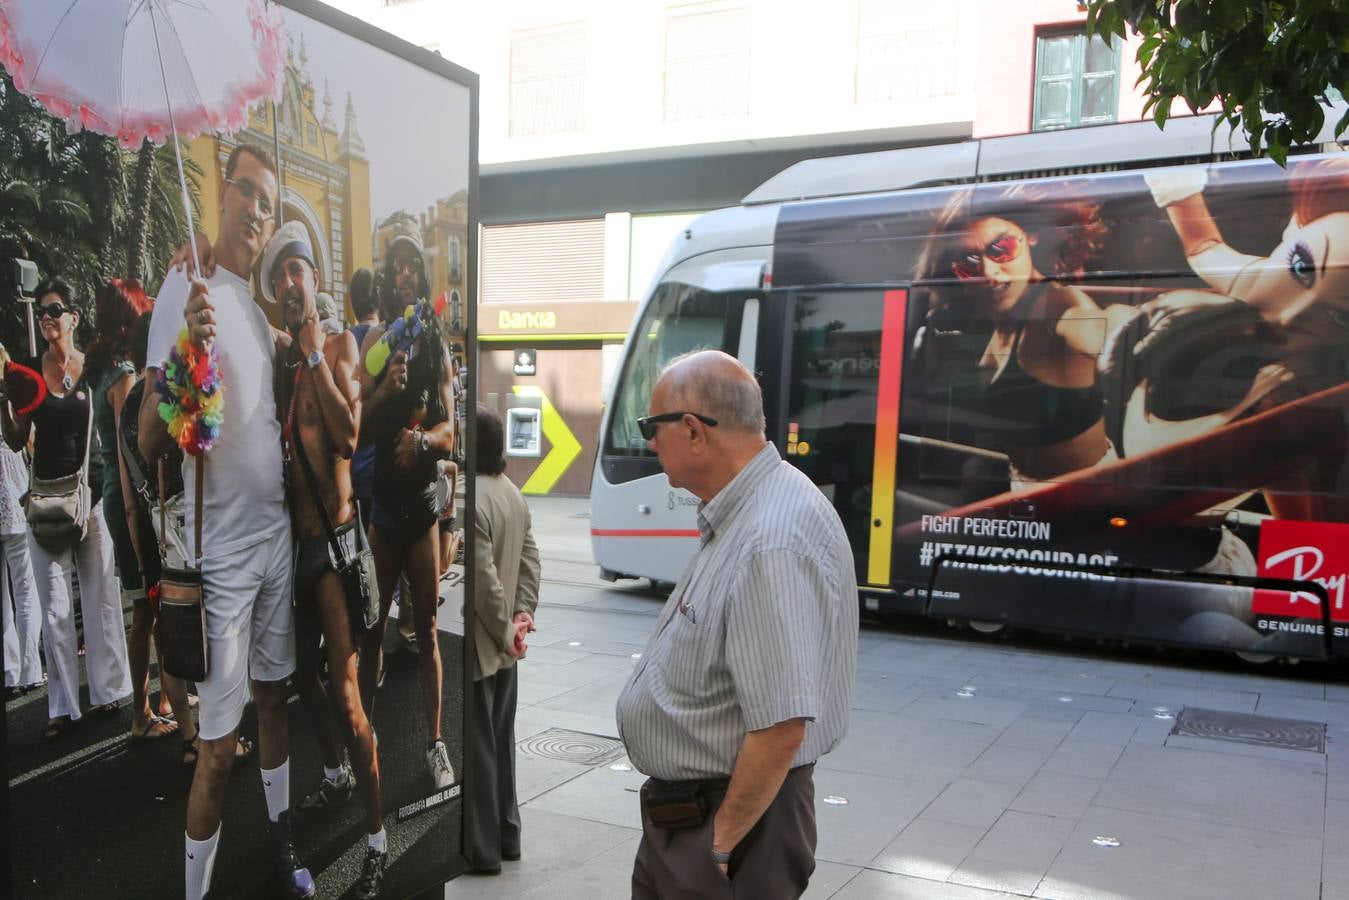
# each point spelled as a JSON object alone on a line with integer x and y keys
{"x": 775, "y": 859}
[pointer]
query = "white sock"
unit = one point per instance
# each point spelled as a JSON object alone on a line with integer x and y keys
{"x": 276, "y": 785}
{"x": 379, "y": 841}
{"x": 200, "y": 860}
{"x": 333, "y": 775}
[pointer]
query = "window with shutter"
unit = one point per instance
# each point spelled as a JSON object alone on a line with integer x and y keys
{"x": 706, "y": 64}
{"x": 548, "y": 73}
{"x": 543, "y": 262}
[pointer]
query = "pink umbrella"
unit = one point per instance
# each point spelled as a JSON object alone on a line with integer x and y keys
{"x": 138, "y": 69}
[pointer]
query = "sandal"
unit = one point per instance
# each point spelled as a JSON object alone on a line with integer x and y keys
{"x": 55, "y": 728}
{"x": 155, "y": 727}
{"x": 243, "y": 749}
{"x": 108, "y": 709}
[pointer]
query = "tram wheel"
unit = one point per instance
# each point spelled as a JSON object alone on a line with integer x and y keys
{"x": 987, "y": 627}
{"x": 1255, "y": 659}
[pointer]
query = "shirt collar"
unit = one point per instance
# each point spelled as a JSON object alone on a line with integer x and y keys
{"x": 718, "y": 511}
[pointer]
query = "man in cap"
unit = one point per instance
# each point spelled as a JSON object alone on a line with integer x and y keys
{"x": 409, "y": 414}
{"x": 245, "y": 531}
{"x": 319, "y": 397}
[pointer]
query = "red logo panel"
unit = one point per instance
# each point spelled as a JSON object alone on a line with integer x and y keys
{"x": 1304, "y": 551}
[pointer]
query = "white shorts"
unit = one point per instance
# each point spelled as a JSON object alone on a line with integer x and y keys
{"x": 250, "y": 629}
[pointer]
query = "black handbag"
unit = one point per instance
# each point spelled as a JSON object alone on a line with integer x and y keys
{"x": 182, "y": 600}
{"x": 357, "y": 571}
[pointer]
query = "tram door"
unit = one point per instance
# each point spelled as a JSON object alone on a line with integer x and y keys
{"x": 835, "y": 413}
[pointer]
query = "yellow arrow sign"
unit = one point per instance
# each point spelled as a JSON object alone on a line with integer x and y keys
{"x": 565, "y": 445}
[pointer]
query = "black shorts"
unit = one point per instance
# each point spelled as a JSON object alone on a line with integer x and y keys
{"x": 314, "y": 559}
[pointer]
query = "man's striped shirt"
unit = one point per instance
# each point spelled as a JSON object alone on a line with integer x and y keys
{"x": 761, "y": 628}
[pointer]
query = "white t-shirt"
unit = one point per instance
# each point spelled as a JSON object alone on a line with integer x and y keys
{"x": 245, "y": 497}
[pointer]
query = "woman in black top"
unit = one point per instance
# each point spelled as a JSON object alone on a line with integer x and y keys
{"x": 63, "y": 442}
{"x": 1001, "y": 261}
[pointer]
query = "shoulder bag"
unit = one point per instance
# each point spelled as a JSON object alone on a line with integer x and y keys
{"x": 357, "y": 571}
{"x": 182, "y": 600}
{"x": 58, "y": 508}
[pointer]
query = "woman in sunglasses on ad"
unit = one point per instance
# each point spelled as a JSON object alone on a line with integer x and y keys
{"x": 64, "y": 515}
{"x": 1001, "y": 261}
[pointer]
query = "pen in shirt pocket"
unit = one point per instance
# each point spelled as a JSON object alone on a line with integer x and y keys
{"x": 686, "y": 610}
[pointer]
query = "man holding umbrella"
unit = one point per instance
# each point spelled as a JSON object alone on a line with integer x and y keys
{"x": 245, "y": 534}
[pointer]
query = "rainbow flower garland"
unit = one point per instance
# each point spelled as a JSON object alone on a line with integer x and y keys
{"x": 193, "y": 398}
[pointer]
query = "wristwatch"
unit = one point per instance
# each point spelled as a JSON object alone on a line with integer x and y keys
{"x": 314, "y": 359}
{"x": 423, "y": 442}
{"x": 722, "y": 857}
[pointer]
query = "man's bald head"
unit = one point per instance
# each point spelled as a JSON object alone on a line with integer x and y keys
{"x": 716, "y": 384}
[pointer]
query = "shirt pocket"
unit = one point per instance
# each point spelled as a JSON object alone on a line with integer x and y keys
{"x": 691, "y": 656}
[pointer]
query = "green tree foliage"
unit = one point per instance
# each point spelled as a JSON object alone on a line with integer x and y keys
{"x": 69, "y": 203}
{"x": 1269, "y": 64}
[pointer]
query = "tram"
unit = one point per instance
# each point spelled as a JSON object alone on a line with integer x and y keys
{"x": 1092, "y": 382}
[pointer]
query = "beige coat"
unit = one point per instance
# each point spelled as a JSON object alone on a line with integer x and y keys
{"x": 506, "y": 569}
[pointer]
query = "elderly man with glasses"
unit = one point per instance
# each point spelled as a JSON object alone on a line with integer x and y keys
{"x": 748, "y": 677}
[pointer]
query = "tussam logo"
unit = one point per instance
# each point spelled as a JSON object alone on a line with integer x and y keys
{"x": 1304, "y": 551}
{"x": 673, "y": 500}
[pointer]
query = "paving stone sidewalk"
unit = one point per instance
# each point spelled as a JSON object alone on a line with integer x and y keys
{"x": 970, "y": 770}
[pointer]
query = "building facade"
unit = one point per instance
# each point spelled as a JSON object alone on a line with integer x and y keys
{"x": 325, "y": 176}
{"x": 607, "y": 125}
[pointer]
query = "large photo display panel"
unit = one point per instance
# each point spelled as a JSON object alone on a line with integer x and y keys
{"x": 373, "y": 140}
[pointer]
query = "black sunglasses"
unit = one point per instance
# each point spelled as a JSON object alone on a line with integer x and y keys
{"x": 647, "y": 424}
{"x": 54, "y": 311}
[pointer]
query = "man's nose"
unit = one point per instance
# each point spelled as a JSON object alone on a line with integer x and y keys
{"x": 991, "y": 269}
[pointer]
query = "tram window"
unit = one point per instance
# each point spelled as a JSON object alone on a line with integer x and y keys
{"x": 679, "y": 318}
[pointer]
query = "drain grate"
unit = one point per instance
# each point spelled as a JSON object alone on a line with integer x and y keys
{"x": 572, "y": 746}
{"x": 1243, "y": 728}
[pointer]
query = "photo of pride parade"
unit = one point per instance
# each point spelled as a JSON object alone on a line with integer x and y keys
{"x": 232, "y": 470}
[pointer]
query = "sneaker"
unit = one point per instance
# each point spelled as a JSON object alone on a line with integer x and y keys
{"x": 329, "y": 794}
{"x": 438, "y": 762}
{"x": 294, "y": 880}
{"x": 372, "y": 874}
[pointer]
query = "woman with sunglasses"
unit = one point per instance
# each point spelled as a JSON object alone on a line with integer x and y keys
{"x": 61, "y": 431}
{"x": 1000, "y": 260}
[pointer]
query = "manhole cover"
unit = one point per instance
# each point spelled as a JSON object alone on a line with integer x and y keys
{"x": 1243, "y": 728}
{"x": 572, "y": 746}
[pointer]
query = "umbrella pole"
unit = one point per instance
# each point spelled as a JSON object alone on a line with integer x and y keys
{"x": 177, "y": 151}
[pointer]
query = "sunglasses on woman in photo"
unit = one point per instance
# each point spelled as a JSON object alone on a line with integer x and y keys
{"x": 53, "y": 311}
{"x": 1002, "y": 249}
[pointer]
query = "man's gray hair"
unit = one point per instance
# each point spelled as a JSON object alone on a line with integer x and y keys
{"x": 733, "y": 402}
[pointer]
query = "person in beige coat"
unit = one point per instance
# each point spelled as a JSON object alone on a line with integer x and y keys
{"x": 506, "y": 593}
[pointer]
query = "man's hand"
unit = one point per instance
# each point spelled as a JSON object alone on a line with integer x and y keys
{"x": 183, "y": 258}
{"x": 405, "y": 449}
{"x": 200, "y": 314}
{"x": 310, "y": 335}
{"x": 526, "y": 619}
{"x": 518, "y": 645}
{"x": 395, "y": 376}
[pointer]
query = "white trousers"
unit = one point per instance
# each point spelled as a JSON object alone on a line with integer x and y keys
{"x": 23, "y": 621}
{"x": 104, "y": 627}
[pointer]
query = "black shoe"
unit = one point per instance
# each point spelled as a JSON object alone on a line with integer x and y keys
{"x": 372, "y": 874}
{"x": 510, "y": 856}
{"x": 294, "y": 880}
{"x": 329, "y": 794}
